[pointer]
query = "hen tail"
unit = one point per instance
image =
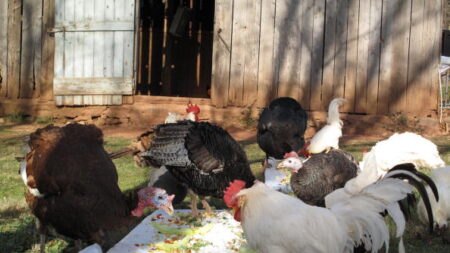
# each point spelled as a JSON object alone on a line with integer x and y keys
{"x": 361, "y": 213}
{"x": 333, "y": 111}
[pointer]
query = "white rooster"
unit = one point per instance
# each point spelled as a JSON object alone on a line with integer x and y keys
{"x": 275, "y": 222}
{"x": 402, "y": 148}
{"x": 441, "y": 209}
{"x": 192, "y": 112}
{"x": 328, "y": 137}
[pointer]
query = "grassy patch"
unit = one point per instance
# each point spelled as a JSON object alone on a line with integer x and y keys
{"x": 17, "y": 225}
{"x": 45, "y": 120}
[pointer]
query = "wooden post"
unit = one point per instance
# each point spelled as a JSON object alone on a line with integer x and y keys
{"x": 14, "y": 32}
{"x": 48, "y": 50}
{"x": 3, "y": 46}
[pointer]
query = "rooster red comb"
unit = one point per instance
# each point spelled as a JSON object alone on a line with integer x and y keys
{"x": 290, "y": 154}
{"x": 229, "y": 196}
{"x": 192, "y": 108}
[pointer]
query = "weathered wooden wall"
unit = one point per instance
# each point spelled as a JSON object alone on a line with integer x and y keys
{"x": 381, "y": 55}
{"x": 21, "y": 48}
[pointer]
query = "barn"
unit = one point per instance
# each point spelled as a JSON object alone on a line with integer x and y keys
{"x": 381, "y": 55}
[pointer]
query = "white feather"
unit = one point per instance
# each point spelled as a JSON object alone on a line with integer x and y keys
{"x": 328, "y": 136}
{"x": 276, "y": 222}
{"x": 402, "y": 148}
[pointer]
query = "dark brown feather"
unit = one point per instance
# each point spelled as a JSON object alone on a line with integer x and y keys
{"x": 70, "y": 167}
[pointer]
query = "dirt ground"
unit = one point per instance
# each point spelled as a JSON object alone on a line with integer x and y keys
{"x": 241, "y": 123}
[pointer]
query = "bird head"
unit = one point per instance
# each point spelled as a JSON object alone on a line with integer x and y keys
{"x": 194, "y": 109}
{"x": 231, "y": 200}
{"x": 153, "y": 197}
{"x": 291, "y": 161}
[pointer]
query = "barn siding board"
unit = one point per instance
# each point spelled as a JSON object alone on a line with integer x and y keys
{"x": 221, "y": 52}
{"x": 306, "y": 53}
{"x": 266, "y": 86}
{"x": 373, "y": 65}
{"x": 253, "y": 20}
{"x": 401, "y": 29}
{"x": 238, "y": 52}
{"x": 329, "y": 51}
{"x": 417, "y": 93}
{"x": 340, "y": 49}
{"x": 48, "y": 50}
{"x": 14, "y": 43}
{"x": 317, "y": 55}
{"x": 3, "y": 45}
{"x": 363, "y": 51}
{"x": 436, "y": 31}
{"x": 352, "y": 56}
{"x": 288, "y": 45}
{"x": 386, "y": 58}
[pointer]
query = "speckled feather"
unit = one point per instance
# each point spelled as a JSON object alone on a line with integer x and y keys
{"x": 322, "y": 174}
{"x": 202, "y": 156}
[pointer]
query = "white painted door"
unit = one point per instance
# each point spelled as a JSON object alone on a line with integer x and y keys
{"x": 94, "y": 51}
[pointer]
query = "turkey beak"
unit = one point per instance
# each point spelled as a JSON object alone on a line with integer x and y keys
{"x": 168, "y": 208}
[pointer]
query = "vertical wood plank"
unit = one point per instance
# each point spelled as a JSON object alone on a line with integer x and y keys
{"x": 88, "y": 45}
{"x": 48, "y": 50}
{"x": 253, "y": 21}
{"x": 340, "y": 49}
{"x": 306, "y": 53}
{"x": 69, "y": 41}
{"x": 384, "y": 85}
{"x": 436, "y": 30}
{"x": 14, "y": 42}
{"x": 352, "y": 55}
{"x": 128, "y": 43}
{"x": 99, "y": 40}
{"x": 59, "y": 42}
{"x": 221, "y": 52}
{"x": 119, "y": 13}
{"x": 79, "y": 42}
{"x": 317, "y": 56}
{"x": 373, "y": 65}
{"x": 4, "y": 45}
{"x": 329, "y": 51}
{"x": 417, "y": 93}
{"x": 266, "y": 87}
{"x": 402, "y": 16}
{"x": 109, "y": 43}
{"x": 363, "y": 51}
{"x": 288, "y": 47}
{"x": 237, "y": 68}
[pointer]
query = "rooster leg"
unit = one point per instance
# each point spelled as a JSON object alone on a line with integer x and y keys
{"x": 194, "y": 211}
{"x": 205, "y": 204}
{"x": 42, "y": 243}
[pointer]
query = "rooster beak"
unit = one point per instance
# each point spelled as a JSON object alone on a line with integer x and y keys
{"x": 280, "y": 165}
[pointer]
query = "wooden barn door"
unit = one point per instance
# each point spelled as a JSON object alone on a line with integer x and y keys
{"x": 94, "y": 51}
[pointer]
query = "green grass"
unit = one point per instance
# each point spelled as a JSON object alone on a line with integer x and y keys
{"x": 17, "y": 225}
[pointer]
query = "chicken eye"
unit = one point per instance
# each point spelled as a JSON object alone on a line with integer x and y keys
{"x": 289, "y": 161}
{"x": 160, "y": 197}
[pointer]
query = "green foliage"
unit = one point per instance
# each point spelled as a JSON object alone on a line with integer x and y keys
{"x": 16, "y": 118}
{"x": 45, "y": 120}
